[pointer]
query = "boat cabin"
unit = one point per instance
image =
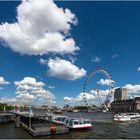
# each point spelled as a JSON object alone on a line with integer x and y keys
{"x": 78, "y": 123}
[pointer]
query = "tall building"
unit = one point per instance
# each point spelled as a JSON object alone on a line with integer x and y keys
{"x": 120, "y": 94}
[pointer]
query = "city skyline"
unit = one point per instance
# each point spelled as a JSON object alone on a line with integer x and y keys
{"x": 46, "y": 52}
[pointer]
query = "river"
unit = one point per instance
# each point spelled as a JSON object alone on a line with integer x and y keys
{"x": 104, "y": 128}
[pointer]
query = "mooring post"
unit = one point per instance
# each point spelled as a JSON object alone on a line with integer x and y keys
{"x": 30, "y": 116}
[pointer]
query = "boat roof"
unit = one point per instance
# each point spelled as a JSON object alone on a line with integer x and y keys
{"x": 79, "y": 119}
{"x": 128, "y": 113}
{"x": 55, "y": 115}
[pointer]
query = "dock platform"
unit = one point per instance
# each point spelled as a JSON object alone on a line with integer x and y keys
{"x": 40, "y": 130}
{"x": 6, "y": 117}
{"x": 39, "y": 126}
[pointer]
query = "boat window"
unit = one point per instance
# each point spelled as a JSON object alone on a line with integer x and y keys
{"x": 70, "y": 123}
{"x": 63, "y": 119}
{"x": 84, "y": 121}
{"x": 81, "y": 122}
{"x": 67, "y": 121}
{"x": 76, "y": 122}
{"x": 88, "y": 122}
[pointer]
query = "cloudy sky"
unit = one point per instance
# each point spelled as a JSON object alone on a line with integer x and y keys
{"x": 47, "y": 49}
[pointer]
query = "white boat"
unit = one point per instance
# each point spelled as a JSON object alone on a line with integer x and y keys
{"x": 73, "y": 123}
{"x": 58, "y": 119}
{"x": 75, "y": 110}
{"x": 125, "y": 117}
{"x": 58, "y": 112}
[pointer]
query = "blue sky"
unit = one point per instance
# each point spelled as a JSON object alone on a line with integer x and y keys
{"x": 99, "y": 35}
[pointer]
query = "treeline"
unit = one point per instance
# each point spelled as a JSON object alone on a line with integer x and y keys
{"x": 7, "y": 107}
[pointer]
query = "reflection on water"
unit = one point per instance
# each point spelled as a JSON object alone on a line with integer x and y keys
{"x": 104, "y": 128}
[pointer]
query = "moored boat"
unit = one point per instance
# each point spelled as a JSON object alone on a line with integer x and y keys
{"x": 59, "y": 119}
{"x": 75, "y": 110}
{"x": 72, "y": 123}
{"x": 125, "y": 117}
{"x": 75, "y": 124}
{"x": 58, "y": 112}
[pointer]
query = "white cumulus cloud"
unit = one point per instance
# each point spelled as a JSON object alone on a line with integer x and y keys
{"x": 46, "y": 95}
{"x": 7, "y": 100}
{"x": 28, "y": 83}
{"x": 85, "y": 95}
{"x": 79, "y": 98}
{"x": 132, "y": 88}
{"x": 68, "y": 99}
{"x": 91, "y": 97}
{"x": 29, "y": 90}
{"x": 25, "y": 98}
{"x": 2, "y": 81}
{"x": 105, "y": 82}
{"x": 41, "y": 28}
{"x": 64, "y": 69}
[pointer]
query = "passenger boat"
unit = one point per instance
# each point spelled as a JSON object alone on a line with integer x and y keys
{"x": 59, "y": 119}
{"x": 75, "y": 124}
{"x": 75, "y": 110}
{"x": 125, "y": 117}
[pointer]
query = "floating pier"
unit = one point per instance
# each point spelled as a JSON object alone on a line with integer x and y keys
{"x": 6, "y": 117}
{"x": 39, "y": 125}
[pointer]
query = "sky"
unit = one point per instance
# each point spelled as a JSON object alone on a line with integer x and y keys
{"x": 49, "y": 48}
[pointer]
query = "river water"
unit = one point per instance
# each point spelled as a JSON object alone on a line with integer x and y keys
{"x": 104, "y": 128}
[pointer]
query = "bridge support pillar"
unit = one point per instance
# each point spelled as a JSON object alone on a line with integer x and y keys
{"x": 17, "y": 121}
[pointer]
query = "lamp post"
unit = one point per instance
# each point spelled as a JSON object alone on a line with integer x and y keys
{"x": 30, "y": 115}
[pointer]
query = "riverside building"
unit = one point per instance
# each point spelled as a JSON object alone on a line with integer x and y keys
{"x": 122, "y": 104}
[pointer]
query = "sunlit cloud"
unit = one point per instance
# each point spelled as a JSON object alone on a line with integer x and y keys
{"x": 37, "y": 32}
{"x": 106, "y": 82}
{"x": 63, "y": 69}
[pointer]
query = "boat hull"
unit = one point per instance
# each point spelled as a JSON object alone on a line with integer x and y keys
{"x": 80, "y": 127}
{"x": 126, "y": 117}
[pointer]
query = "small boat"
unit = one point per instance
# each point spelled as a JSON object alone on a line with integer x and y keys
{"x": 75, "y": 124}
{"x": 70, "y": 110}
{"x": 75, "y": 110}
{"x": 59, "y": 119}
{"x": 125, "y": 117}
{"x": 58, "y": 112}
